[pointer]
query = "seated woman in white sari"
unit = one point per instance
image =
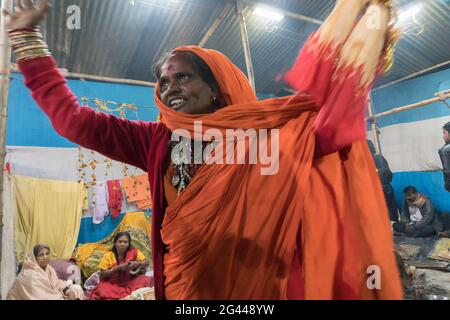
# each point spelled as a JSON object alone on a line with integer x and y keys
{"x": 38, "y": 280}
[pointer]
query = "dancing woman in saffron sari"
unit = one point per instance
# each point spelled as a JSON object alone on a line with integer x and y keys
{"x": 224, "y": 231}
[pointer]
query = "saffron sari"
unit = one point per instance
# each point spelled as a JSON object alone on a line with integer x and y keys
{"x": 308, "y": 231}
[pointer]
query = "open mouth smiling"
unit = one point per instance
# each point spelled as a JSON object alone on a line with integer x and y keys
{"x": 176, "y": 103}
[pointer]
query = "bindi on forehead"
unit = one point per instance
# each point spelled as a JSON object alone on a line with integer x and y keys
{"x": 168, "y": 68}
{"x": 178, "y": 61}
{"x": 170, "y": 63}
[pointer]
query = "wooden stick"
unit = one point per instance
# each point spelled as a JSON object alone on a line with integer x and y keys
{"x": 84, "y": 76}
{"x": 108, "y": 79}
{"x": 226, "y": 9}
{"x": 441, "y": 97}
{"x": 412, "y": 75}
{"x": 374, "y": 126}
{"x": 5, "y": 62}
{"x": 245, "y": 43}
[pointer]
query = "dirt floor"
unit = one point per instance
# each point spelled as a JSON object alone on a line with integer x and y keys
{"x": 422, "y": 282}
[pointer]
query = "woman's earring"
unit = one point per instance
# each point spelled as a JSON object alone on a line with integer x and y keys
{"x": 213, "y": 99}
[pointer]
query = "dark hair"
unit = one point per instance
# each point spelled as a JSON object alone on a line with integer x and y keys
{"x": 199, "y": 65}
{"x": 410, "y": 189}
{"x": 446, "y": 127}
{"x": 116, "y": 237}
{"x": 37, "y": 248}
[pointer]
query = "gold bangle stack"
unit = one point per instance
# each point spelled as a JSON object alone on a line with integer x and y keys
{"x": 28, "y": 44}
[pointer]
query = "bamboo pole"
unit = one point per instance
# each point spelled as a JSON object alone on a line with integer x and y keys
{"x": 374, "y": 127}
{"x": 5, "y": 62}
{"x": 84, "y": 76}
{"x": 412, "y": 75}
{"x": 108, "y": 79}
{"x": 215, "y": 25}
{"x": 440, "y": 97}
{"x": 245, "y": 43}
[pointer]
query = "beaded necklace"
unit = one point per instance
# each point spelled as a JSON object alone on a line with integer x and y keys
{"x": 183, "y": 162}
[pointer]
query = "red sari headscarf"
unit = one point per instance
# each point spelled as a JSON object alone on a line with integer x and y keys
{"x": 319, "y": 225}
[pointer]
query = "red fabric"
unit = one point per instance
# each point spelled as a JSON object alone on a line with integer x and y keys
{"x": 341, "y": 118}
{"x": 309, "y": 199}
{"x": 138, "y": 143}
{"x": 114, "y": 197}
{"x": 144, "y": 145}
{"x": 75, "y": 122}
{"x": 107, "y": 290}
{"x": 121, "y": 284}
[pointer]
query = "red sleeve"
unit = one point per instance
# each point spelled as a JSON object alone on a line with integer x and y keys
{"x": 119, "y": 139}
{"x": 341, "y": 101}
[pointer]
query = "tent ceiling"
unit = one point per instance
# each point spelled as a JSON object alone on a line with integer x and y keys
{"x": 121, "y": 39}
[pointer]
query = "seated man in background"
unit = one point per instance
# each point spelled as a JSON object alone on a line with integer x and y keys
{"x": 418, "y": 217}
{"x": 385, "y": 174}
{"x": 444, "y": 154}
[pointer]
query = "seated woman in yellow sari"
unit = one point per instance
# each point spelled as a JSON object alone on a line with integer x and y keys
{"x": 38, "y": 280}
{"x": 120, "y": 270}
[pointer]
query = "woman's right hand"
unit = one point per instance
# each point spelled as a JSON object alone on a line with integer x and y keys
{"x": 134, "y": 265}
{"x": 70, "y": 294}
{"x": 123, "y": 267}
{"x": 26, "y": 15}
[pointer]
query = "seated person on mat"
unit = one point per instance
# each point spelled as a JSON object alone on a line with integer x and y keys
{"x": 38, "y": 280}
{"x": 418, "y": 216}
{"x": 121, "y": 270}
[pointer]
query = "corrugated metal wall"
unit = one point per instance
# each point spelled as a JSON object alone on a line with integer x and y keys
{"x": 118, "y": 39}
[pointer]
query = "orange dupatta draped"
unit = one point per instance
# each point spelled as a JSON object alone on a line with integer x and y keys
{"x": 232, "y": 233}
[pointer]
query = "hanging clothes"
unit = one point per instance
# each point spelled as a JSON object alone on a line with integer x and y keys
{"x": 137, "y": 189}
{"x": 114, "y": 197}
{"x": 47, "y": 211}
{"x": 99, "y": 204}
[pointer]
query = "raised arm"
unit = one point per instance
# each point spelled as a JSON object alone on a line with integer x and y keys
{"x": 120, "y": 139}
{"x": 337, "y": 67}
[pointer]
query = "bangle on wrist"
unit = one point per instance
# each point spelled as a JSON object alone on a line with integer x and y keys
{"x": 28, "y": 44}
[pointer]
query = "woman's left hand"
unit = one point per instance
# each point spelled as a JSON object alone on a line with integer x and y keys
{"x": 70, "y": 294}
{"x": 133, "y": 265}
{"x": 26, "y": 14}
